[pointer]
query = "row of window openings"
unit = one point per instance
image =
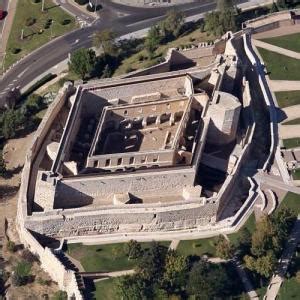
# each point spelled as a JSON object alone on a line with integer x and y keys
{"x": 131, "y": 161}
{"x": 140, "y": 110}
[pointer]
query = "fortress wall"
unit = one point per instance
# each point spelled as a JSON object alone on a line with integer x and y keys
{"x": 69, "y": 223}
{"x": 65, "y": 278}
{"x": 75, "y": 190}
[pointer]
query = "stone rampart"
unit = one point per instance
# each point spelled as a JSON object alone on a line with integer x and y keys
{"x": 65, "y": 278}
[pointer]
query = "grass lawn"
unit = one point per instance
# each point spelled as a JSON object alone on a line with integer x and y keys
{"x": 291, "y": 143}
{"x": 291, "y": 41}
{"x": 291, "y": 201}
{"x": 250, "y": 225}
{"x": 140, "y": 60}
{"x": 289, "y": 290}
{"x": 105, "y": 289}
{"x": 292, "y": 122}
{"x": 289, "y": 98}
{"x": 32, "y": 38}
{"x": 104, "y": 258}
{"x": 280, "y": 67}
{"x": 198, "y": 247}
{"x": 296, "y": 174}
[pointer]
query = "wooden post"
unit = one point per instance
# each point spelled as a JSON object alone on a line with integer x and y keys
{"x": 22, "y": 34}
{"x": 43, "y": 5}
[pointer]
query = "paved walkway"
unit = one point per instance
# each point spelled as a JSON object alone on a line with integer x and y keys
{"x": 284, "y": 30}
{"x": 284, "y": 261}
{"x": 284, "y": 85}
{"x": 276, "y": 49}
{"x": 174, "y": 244}
{"x": 101, "y": 275}
{"x": 289, "y": 131}
{"x": 8, "y": 21}
{"x": 245, "y": 280}
{"x": 291, "y": 112}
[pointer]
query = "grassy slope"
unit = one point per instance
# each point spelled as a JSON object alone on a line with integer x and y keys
{"x": 280, "y": 67}
{"x": 292, "y": 122}
{"x": 291, "y": 201}
{"x": 291, "y": 41}
{"x": 286, "y": 99}
{"x": 134, "y": 62}
{"x": 33, "y": 39}
{"x": 104, "y": 258}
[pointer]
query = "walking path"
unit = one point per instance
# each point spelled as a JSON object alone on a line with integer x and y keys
{"x": 284, "y": 261}
{"x": 174, "y": 244}
{"x": 284, "y": 30}
{"x": 276, "y": 49}
{"x": 284, "y": 85}
{"x": 8, "y": 21}
{"x": 291, "y": 112}
{"x": 245, "y": 280}
{"x": 101, "y": 275}
{"x": 289, "y": 131}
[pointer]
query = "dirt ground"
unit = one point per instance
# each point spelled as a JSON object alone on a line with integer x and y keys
{"x": 14, "y": 153}
{"x": 286, "y": 30}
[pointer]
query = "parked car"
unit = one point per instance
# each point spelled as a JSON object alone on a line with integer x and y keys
{"x": 2, "y": 14}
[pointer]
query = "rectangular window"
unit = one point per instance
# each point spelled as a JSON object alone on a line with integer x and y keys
{"x": 119, "y": 161}
{"x": 107, "y": 163}
{"x": 131, "y": 160}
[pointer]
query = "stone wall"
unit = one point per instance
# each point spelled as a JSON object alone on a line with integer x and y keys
{"x": 147, "y": 3}
{"x": 70, "y": 192}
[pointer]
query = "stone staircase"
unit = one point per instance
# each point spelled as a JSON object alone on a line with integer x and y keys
{"x": 266, "y": 203}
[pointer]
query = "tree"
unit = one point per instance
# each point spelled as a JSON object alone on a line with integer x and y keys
{"x": 82, "y": 62}
{"x": 175, "y": 272}
{"x": 223, "y": 248}
{"x": 2, "y": 164}
{"x": 105, "y": 39}
{"x": 274, "y": 7}
{"x": 172, "y": 24}
{"x": 133, "y": 249}
{"x": 152, "y": 40}
{"x": 151, "y": 264}
{"x": 223, "y": 5}
{"x": 264, "y": 265}
{"x": 282, "y": 4}
{"x": 207, "y": 281}
{"x": 132, "y": 288}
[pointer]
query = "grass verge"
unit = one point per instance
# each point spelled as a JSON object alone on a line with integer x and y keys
{"x": 279, "y": 66}
{"x": 290, "y": 42}
{"x": 291, "y": 143}
{"x": 104, "y": 258}
{"x": 105, "y": 289}
{"x": 38, "y": 33}
{"x": 292, "y": 122}
{"x": 286, "y": 99}
{"x": 292, "y": 201}
{"x": 296, "y": 174}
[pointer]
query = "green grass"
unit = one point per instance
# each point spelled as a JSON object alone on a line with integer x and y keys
{"x": 291, "y": 201}
{"x": 296, "y": 174}
{"x": 261, "y": 292}
{"x": 104, "y": 258}
{"x": 32, "y": 39}
{"x": 250, "y": 225}
{"x": 286, "y": 99}
{"x": 105, "y": 290}
{"x": 289, "y": 290}
{"x": 198, "y": 247}
{"x": 280, "y": 67}
{"x": 291, "y": 143}
{"x": 292, "y": 122}
{"x": 291, "y": 41}
{"x": 141, "y": 60}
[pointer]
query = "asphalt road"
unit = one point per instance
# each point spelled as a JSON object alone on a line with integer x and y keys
{"x": 121, "y": 19}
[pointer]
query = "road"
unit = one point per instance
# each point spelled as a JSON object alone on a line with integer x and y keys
{"x": 121, "y": 19}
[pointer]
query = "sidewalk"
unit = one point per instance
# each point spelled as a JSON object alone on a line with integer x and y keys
{"x": 284, "y": 85}
{"x": 8, "y": 21}
{"x": 276, "y": 49}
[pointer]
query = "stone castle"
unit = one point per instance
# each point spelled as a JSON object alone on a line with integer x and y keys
{"x": 156, "y": 150}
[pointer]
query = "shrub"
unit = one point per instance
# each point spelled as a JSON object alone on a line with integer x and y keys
{"x": 42, "y": 281}
{"x": 60, "y": 295}
{"x": 11, "y": 246}
{"x": 35, "y": 1}
{"x": 15, "y": 50}
{"x": 65, "y": 22}
{"x": 21, "y": 274}
{"x": 30, "y": 21}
